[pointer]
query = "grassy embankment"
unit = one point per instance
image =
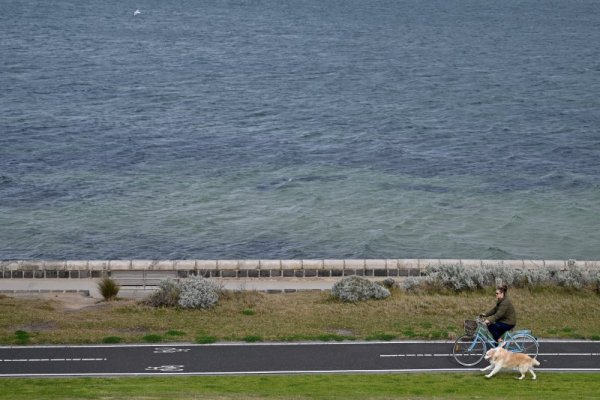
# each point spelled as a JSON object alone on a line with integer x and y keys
{"x": 253, "y": 316}
{"x": 549, "y": 386}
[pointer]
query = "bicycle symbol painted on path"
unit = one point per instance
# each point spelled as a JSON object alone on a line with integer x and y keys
{"x": 166, "y": 368}
{"x": 168, "y": 350}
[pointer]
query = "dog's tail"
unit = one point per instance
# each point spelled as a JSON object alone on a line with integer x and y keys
{"x": 536, "y": 362}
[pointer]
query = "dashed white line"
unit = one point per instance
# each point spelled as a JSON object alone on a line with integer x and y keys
{"x": 450, "y": 355}
{"x": 51, "y": 359}
{"x": 414, "y": 355}
{"x": 568, "y": 354}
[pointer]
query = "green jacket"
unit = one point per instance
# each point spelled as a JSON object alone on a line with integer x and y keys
{"x": 503, "y": 312}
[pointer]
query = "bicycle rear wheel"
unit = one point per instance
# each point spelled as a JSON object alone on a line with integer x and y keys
{"x": 468, "y": 350}
{"x": 524, "y": 343}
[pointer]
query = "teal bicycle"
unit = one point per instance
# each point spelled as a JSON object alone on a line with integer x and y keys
{"x": 470, "y": 348}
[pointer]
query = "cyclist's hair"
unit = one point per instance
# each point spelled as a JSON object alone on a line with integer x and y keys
{"x": 503, "y": 288}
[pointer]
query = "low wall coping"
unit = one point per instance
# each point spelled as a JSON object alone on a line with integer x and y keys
{"x": 274, "y": 264}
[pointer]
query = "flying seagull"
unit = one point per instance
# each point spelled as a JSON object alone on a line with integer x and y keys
{"x": 136, "y": 12}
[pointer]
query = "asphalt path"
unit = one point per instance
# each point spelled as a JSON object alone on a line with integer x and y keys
{"x": 269, "y": 358}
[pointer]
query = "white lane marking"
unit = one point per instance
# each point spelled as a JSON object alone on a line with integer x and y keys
{"x": 414, "y": 355}
{"x": 50, "y": 359}
{"x": 568, "y": 354}
{"x": 450, "y": 355}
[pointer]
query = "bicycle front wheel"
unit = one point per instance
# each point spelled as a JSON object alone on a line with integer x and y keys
{"x": 524, "y": 343}
{"x": 468, "y": 350}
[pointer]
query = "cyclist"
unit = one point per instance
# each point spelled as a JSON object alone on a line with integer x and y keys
{"x": 502, "y": 318}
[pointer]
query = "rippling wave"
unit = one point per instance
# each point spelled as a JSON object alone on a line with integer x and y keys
{"x": 286, "y": 129}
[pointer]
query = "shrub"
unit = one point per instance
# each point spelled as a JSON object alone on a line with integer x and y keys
{"x": 412, "y": 284}
{"x": 197, "y": 292}
{"x": 355, "y": 288}
{"x": 574, "y": 277}
{"x": 458, "y": 278}
{"x": 167, "y": 294}
{"x": 389, "y": 283}
{"x": 596, "y": 282}
{"x": 108, "y": 288}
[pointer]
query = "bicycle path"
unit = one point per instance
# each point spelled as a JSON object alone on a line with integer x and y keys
{"x": 269, "y": 358}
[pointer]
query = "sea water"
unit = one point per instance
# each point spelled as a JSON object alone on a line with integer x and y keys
{"x": 299, "y": 129}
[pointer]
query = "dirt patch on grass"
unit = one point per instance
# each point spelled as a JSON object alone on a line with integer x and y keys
{"x": 46, "y": 326}
{"x": 340, "y": 331}
{"x": 68, "y": 301}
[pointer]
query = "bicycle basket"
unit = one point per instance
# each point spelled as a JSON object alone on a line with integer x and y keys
{"x": 470, "y": 327}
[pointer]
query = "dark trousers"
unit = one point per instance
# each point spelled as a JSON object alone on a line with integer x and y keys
{"x": 497, "y": 329}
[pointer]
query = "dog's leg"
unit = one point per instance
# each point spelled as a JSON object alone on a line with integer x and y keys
{"x": 494, "y": 371}
{"x": 487, "y": 368}
{"x": 533, "y": 374}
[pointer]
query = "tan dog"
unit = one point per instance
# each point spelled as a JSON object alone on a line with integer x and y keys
{"x": 500, "y": 358}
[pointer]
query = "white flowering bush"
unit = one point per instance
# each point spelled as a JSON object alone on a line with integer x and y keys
{"x": 412, "y": 284}
{"x": 454, "y": 277}
{"x": 197, "y": 292}
{"x": 458, "y": 278}
{"x": 575, "y": 277}
{"x": 356, "y": 288}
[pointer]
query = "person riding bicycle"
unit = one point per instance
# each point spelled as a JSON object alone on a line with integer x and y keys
{"x": 503, "y": 317}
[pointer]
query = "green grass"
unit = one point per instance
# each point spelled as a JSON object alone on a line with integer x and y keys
{"x": 205, "y": 339}
{"x": 328, "y": 337}
{"x": 381, "y": 336}
{"x": 375, "y": 386}
{"x": 22, "y": 337}
{"x": 294, "y": 316}
{"x": 252, "y": 338}
{"x": 152, "y": 338}
{"x": 112, "y": 339}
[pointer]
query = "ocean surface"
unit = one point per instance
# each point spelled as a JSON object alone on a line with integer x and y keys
{"x": 300, "y": 129}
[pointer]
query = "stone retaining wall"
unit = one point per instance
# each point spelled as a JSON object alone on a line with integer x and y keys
{"x": 15, "y": 269}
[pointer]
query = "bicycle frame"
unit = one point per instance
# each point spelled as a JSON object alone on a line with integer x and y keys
{"x": 484, "y": 334}
{"x": 474, "y": 346}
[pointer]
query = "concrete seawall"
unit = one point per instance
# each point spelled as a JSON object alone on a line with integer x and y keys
{"x": 138, "y": 277}
{"x": 40, "y": 269}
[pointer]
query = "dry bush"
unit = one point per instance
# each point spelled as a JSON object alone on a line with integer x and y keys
{"x": 109, "y": 289}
